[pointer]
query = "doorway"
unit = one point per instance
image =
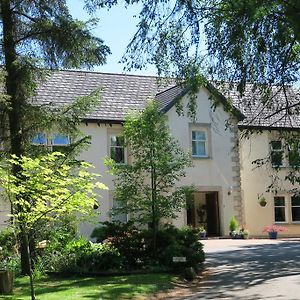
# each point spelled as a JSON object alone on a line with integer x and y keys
{"x": 204, "y": 211}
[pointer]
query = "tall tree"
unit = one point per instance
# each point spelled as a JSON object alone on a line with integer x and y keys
{"x": 37, "y": 35}
{"x": 146, "y": 188}
{"x": 50, "y": 189}
{"x": 255, "y": 41}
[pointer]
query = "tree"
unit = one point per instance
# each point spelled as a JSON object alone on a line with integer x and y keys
{"x": 37, "y": 36}
{"x": 256, "y": 41}
{"x": 145, "y": 188}
{"x": 47, "y": 188}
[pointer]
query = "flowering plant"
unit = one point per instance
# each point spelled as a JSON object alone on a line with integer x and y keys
{"x": 274, "y": 228}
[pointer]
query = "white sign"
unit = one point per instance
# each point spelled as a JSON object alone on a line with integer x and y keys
{"x": 179, "y": 259}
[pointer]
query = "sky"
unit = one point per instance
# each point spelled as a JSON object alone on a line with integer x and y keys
{"x": 116, "y": 27}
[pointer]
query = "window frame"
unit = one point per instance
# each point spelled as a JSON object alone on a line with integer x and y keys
{"x": 291, "y": 209}
{"x": 280, "y": 206}
{"x": 281, "y": 150}
{"x": 110, "y": 146}
{"x": 205, "y": 128}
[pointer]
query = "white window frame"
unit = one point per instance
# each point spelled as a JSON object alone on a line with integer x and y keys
{"x": 291, "y": 204}
{"x": 280, "y": 206}
{"x": 110, "y": 146}
{"x": 281, "y": 150}
{"x": 112, "y": 206}
{"x": 49, "y": 140}
{"x": 206, "y": 141}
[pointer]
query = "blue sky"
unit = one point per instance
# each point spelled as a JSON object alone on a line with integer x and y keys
{"x": 116, "y": 27}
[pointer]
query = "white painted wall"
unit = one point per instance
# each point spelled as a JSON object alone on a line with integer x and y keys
{"x": 255, "y": 182}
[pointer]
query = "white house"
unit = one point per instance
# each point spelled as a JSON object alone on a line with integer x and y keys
{"x": 224, "y": 188}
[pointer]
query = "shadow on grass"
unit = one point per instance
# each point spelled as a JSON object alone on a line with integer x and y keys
{"x": 117, "y": 287}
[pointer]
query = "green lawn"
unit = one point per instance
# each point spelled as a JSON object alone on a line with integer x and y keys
{"x": 115, "y": 287}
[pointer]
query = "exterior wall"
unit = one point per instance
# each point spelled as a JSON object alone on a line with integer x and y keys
{"x": 255, "y": 182}
{"x": 4, "y": 212}
{"x": 220, "y": 171}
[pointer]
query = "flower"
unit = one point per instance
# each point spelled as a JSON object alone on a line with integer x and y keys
{"x": 274, "y": 228}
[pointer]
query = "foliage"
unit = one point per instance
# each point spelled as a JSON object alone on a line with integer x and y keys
{"x": 49, "y": 188}
{"x": 80, "y": 255}
{"x": 260, "y": 40}
{"x": 135, "y": 246}
{"x": 9, "y": 257}
{"x": 233, "y": 224}
{"x": 126, "y": 238}
{"x": 146, "y": 187}
{"x": 274, "y": 228}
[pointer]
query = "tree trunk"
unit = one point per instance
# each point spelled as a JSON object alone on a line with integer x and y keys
{"x": 6, "y": 282}
{"x": 16, "y": 102}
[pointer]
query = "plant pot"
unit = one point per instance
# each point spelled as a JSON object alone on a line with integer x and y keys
{"x": 273, "y": 235}
{"x": 6, "y": 282}
{"x": 202, "y": 235}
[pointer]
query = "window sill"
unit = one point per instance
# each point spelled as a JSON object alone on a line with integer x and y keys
{"x": 200, "y": 157}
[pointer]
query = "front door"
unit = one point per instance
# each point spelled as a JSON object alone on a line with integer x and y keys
{"x": 204, "y": 212}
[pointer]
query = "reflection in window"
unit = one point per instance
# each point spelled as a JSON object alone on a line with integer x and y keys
{"x": 117, "y": 151}
{"x": 199, "y": 143}
{"x": 39, "y": 139}
{"x": 295, "y": 201}
{"x": 276, "y": 153}
{"x": 279, "y": 206}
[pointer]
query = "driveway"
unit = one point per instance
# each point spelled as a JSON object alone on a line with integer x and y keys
{"x": 251, "y": 270}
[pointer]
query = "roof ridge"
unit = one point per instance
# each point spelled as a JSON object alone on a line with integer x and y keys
{"x": 107, "y": 73}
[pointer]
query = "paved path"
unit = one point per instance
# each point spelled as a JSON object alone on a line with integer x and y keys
{"x": 251, "y": 270}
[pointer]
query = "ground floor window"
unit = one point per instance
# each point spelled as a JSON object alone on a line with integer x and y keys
{"x": 287, "y": 209}
{"x": 121, "y": 217}
{"x": 279, "y": 206}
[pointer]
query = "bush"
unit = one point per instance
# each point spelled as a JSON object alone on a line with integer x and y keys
{"x": 126, "y": 238}
{"x": 80, "y": 255}
{"x": 9, "y": 257}
{"x": 136, "y": 247}
{"x": 184, "y": 242}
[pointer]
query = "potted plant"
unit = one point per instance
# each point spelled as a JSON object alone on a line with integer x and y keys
{"x": 202, "y": 232}
{"x": 233, "y": 227}
{"x": 273, "y": 230}
{"x": 262, "y": 201}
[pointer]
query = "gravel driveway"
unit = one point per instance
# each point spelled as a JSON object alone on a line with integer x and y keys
{"x": 251, "y": 270}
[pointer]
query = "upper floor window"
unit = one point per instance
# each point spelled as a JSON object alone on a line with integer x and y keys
{"x": 199, "y": 143}
{"x": 276, "y": 154}
{"x": 55, "y": 142}
{"x": 117, "y": 149}
{"x": 294, "y": 154}
{"x": 39, "y": 139}
{"x": 279, "y": 207}
{"x": 59, "y": 142}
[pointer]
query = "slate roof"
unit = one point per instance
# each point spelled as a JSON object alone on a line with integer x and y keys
{"x": 122, "y": 93}
{"x": 280, "y": 110}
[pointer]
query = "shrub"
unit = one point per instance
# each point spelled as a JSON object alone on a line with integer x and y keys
{"x": 135, "y": 246}
{"x": 233, "y": 224}
{"x": 80, "y": 255}
{"x": 126, "y": 238}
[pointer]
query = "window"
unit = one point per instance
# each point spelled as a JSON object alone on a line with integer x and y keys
{"x": 199, "y": 143}
{"x": 276, "y": 153}
{"x": 39, "y": 139}
{"x": 279, "y": 206}
{"x": 294, "y": 155}
{"x": 117, "y": 151}
{"x": 121, "y": 217}
{"x": 295, "y": 202}
{"x": 56, "y": 142}
{"x": 59, "y": 142}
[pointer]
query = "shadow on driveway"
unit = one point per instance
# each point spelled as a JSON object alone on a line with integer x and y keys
{"x": 251, "y": 272}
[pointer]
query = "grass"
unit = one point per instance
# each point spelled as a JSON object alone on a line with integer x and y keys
{"x": 114, "y": 287}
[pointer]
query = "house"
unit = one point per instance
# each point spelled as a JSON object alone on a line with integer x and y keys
{"x": 222, "y": 172}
